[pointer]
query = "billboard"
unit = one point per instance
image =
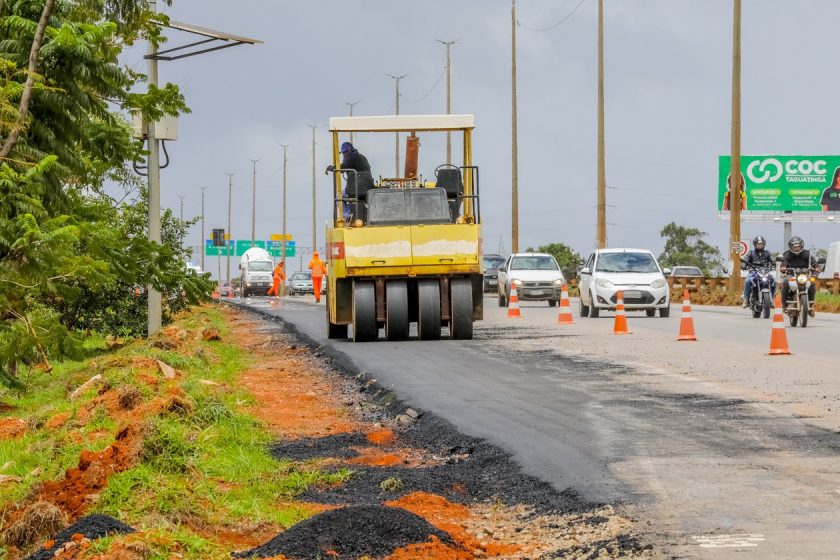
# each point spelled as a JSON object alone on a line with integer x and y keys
{"x": 783, "y": 183}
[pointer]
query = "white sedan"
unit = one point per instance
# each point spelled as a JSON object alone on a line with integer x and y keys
{"x": 633, "y": 272}
{"x": 537, "y": 277}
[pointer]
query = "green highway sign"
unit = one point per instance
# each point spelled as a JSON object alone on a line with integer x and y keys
{"x": 237, "y": 248}
{"x": 783, "y": 183}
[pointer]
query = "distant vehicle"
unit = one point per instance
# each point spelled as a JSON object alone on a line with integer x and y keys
{"x": 491, "y": 264}
{"x": 226, "y": 289}
{"x": 537, "y": 277}
{"x": 194, "y": 267}
{"x": 255, "y": 273}
{"x": 687, "y": 272}
{"x": 300, "y": 283}
{"x": 634, "y": 272}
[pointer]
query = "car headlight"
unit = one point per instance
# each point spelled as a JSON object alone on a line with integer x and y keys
{"x": 658, "y": 283}
{"x": 559, "y": 282}
{"x": 604, "y": 283}
{"x": 516, "y": 283}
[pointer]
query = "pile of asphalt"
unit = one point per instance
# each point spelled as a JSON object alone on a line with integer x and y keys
{"x": 303, "y": 449}
{"x": 349, "y": 533}
{"x": 91, "y": 527}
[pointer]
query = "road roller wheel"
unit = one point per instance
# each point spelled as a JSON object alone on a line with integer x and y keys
{"x": 364, "y": 312}
{"x": 428, "y": 312}
{"x": 396, "y": 310}
{"x": 461, "y": 323}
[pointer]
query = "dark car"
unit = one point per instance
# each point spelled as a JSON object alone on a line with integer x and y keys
{"x": 687, "y": 272}
{"x": 490, "y": 265}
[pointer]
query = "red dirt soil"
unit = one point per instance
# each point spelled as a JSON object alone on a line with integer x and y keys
{"x": 448, "y": 517}
{"x": 12, "y": 428}
{"x": 383, "y": 436}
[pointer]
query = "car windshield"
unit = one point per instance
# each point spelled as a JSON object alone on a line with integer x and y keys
{"x": 533, "y": 263}
{"x": 260, "y": 266}
{"x": 626, "y": 262}
{"x": 301, "y": 276}
{"x": 492, "y": 263}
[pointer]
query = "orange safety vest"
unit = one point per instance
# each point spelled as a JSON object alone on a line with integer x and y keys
{"x": 317, "y": 267}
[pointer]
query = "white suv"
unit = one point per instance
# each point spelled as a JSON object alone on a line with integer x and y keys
{"x": 537, "y": 277}
{"x": 634, "y": 272}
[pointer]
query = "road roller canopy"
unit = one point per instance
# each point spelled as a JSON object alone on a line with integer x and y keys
{"x": 402, "y": 123}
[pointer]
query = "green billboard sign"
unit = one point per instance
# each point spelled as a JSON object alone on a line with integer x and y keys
{"x": 238, "y": 248}
{"x": 783, "y": 183}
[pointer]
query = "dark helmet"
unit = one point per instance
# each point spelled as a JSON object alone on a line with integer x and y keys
{"x": 759, "y": 240}
{"x": 796, "y": 245}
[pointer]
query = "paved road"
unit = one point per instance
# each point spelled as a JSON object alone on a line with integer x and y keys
{"x": 719, "y": 450}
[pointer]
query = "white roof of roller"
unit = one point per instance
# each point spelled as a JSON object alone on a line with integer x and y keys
{"x": 402, "y": 123}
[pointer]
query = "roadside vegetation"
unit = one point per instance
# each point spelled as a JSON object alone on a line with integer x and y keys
{"x": 172, "y": 452}
{"x": 73, "y": 259}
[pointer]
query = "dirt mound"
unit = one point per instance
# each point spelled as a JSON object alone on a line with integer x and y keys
{"x": 349, "y": 533}
{"x": 36, "y": 521}
{"x": 81, "y": 484}
{"x": 90, "y": 527}
{"x": 11, "y": 428}
{"x": 337, "y": 446}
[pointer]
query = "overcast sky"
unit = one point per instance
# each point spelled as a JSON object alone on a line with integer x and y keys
{"x": 668, "y": 71}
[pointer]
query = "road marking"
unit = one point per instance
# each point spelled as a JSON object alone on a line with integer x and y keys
{"x": 729, "y": 541}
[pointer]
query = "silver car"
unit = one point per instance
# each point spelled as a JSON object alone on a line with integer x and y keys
{"x": 537, "y": 277}
{"x": 300, "y": 283}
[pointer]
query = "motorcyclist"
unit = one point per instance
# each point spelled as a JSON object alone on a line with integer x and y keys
{"x": 759, "y": 256}
{"x": 798, "y": 257}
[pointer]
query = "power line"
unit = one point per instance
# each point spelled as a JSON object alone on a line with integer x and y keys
{"x": 428, "y": 93}
{"x": 554, "y": 25}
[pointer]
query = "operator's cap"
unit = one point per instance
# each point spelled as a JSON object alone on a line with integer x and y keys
{"x": 346, "y": 147}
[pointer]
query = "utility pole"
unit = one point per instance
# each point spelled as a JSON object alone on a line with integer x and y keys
{"x": 351, "y": 104}
{"x": 203, "y": 238}
{"x": 254, "y": 204}
{"x": 602, "y": 181}
{"x": 283, "y": 243}
{"x": 448, "y": 44}
{"x": 154, "y": 320}
{"x": 230, "y": 235}
{"x": 314, "y": 232}
{"x": 514, "y": 203}
{"x": 735, "y": 156}
{"x": 182, "y": 197}
{"x": 397, "y": 135}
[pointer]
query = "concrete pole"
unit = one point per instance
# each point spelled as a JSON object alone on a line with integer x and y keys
{"x": 602, "y": 181}
{"x": 254, "y": 204}
{"x": 203, "y": 243}
{"x": 181, "y": 197}
{"x": 448, "y": 44}
{"x": 397, "y": 135}
{"x": 230, "y": 235}
{"x": 314, "y": 232}
{"x": 283, "y": 243}
{"x": 154, "y": 321}
{"x": 514, "y": 203}
{"x": 735, "y": 156}
{"x": 351, "y": 104}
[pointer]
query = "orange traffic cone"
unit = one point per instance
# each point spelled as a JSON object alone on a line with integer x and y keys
{"x": 620, "y": 325}
{"x": 778, "y": 336}
{"x": 565, "y": 315}
{"x": 513, "y": 305}
{"x": 687, "y": 322}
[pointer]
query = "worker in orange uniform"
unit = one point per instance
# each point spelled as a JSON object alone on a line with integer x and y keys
{"x": 279, "y": 276}
{"x": 319, "y": 270}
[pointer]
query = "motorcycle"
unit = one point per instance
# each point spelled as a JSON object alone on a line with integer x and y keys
{"x": 797, "y": 306}
{"x": 761, "y": 296}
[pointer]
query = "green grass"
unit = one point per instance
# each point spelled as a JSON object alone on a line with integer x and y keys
{"x": 209, "y": 464}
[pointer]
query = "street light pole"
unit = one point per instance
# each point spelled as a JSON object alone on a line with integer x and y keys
{"x": 254, "y": 204}
{"x": 181, "y": 197}
{"x": 397, "y": 135}
{"x": 735, "y": 156}
{"x": 514, "y": 203}
{"x": 154, "y": 320}
{"x": 448, "y": 44}
{"x": 230, "y": 235}
{"x": 314, "y": 232}
{"x": 283, "y": 244}
{"x": 203, "y": 239}
{"x": 351, "y": 104}
{"x": 602, "y": 181}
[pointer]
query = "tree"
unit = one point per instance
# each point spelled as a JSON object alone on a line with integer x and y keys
{"x": 685, "y": 246}
{"x": 568, "y": 259}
